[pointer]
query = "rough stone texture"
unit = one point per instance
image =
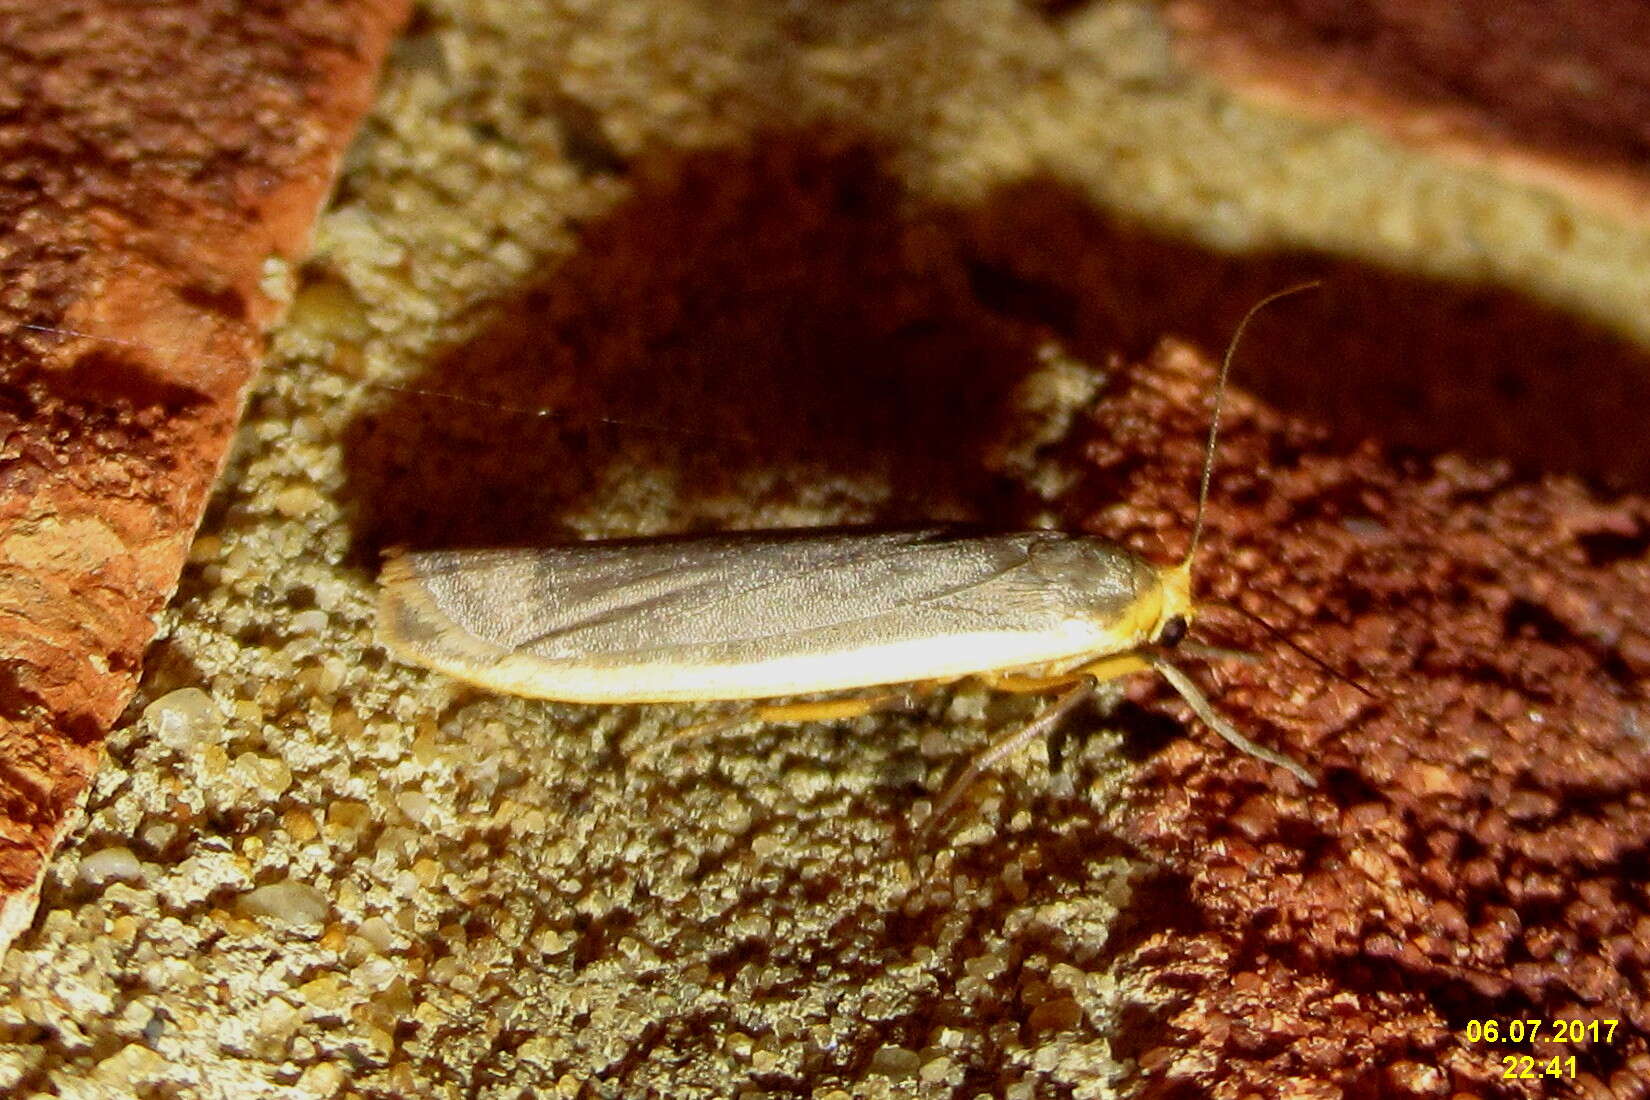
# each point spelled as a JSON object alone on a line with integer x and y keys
{"x": 1477, "y": 848}
{"x": 1556, "y": 93}
{"x": 784, "y": 264}
{"x": 154, "y": 159}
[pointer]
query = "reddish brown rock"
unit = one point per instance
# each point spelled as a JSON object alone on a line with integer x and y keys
{"x": 1553, "y": 92}
{"x": 1476, "y": 848}
{"x": 152, "y": 159}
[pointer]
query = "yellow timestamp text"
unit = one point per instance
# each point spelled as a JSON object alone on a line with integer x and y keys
{"x": 1524, "y": 1067}
{"x": 1527, "y": 1067}
{"x": 1541, "y": 1031}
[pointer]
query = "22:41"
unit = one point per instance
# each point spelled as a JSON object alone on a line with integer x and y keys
{"x": 1524, "y": 1067}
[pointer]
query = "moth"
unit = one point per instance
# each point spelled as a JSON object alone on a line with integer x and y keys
{"x": 768, "y": 614}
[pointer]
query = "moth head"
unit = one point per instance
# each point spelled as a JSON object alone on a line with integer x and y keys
{"x": 1176, "y": 609}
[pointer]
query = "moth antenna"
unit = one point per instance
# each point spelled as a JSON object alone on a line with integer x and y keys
{"x": 1220, "y": 402}
{"x": 1276, "y": 632}
{"x": 115, "y": 341}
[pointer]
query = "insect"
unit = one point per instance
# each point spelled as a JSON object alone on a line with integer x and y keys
{"x": 763, "y": 615}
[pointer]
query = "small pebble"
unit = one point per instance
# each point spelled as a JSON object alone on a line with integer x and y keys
{"x": 312, "y": 621}
{"x": 293, "y": 902}
{"x": 110, "y": 865}
{"x": 184, "y": 718}
{"x": 896, "y": 1062}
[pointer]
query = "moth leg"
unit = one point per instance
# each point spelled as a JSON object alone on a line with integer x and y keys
{"x": 1106, "y": 668}
{"x": 1008, "y": 745}
{"x": 1195, "y": 699}
{"x": 1206, "y": 652}
{"x": 815, "y": 710}
{"x": 1122, "y": 664}
{"x": 1079, "y": 685}
{"x": 830, "y": 710}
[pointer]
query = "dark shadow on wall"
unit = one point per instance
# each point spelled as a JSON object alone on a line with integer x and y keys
{"x": 1375, "y": 354}
{"x": 788, "y": 309}
{"x": 774, "y": 310}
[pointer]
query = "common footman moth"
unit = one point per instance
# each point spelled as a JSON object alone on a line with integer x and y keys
{"x": 767, "y": 614}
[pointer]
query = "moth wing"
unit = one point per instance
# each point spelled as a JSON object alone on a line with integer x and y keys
{"x": 722, "y": 599}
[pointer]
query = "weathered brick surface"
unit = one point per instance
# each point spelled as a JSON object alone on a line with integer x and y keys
{"x": 1556, "y": 93}
{"x": 1475, "y": 849}
{"x": 153, "y": 157}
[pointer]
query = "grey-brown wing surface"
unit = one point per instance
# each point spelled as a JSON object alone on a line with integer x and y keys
{"x": 736, "y": 598}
